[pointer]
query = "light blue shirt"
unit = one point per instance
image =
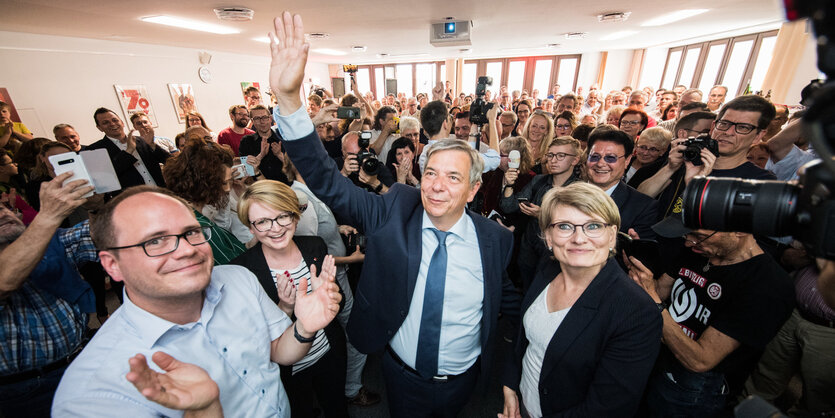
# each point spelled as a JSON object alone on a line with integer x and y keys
{"x": 231, "y": 341}
{"x": 460, "y": 343}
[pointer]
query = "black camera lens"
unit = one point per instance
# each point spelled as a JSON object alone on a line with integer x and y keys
{"x": 756, "y": 206}
{"x": 371, "y": 166}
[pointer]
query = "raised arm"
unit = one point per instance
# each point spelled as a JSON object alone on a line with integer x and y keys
{"x": 289, "y": 57}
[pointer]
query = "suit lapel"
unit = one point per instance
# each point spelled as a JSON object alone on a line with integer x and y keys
{"x": 414, "y": 247}
{"x": 619, "y": 195}
{"x": 491, "y": 271}
{"x": 262, "y": 271}
{"x": 578, "y": 319}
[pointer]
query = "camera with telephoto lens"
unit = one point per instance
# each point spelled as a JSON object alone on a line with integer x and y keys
{"x": 479, "y": 107}
{"x": 804, "y": 208}
{"x": 695, "y": 145}
{"x": 366, "y": 159}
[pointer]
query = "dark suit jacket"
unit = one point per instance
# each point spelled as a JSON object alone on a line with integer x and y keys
{"x": 599, "y": 359}
{"x": 392, "y": 226}
{"x": 637, "y": 210}
{"x": 123, "y": 162}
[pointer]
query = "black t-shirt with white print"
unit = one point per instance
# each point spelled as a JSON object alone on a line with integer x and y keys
{"x": 747, "y": 301}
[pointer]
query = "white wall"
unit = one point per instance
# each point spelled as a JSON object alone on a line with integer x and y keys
{"x": 54, "y": 79}
{"x": 807, "y": 70}
{"x": 617, "y": 69}
{"x": 589, "y": 67}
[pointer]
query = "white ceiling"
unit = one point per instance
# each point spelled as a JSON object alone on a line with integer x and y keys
{"x": 399, "y": 28}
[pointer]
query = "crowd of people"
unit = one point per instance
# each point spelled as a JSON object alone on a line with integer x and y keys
{"x": 408, "y": 232}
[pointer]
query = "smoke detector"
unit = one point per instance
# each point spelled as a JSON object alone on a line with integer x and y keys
{"x": 613, "y": 17}
{"x": 234, "y": 14}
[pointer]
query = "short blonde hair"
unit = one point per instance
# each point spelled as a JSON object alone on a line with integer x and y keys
{"x": 586, "y": 198}
{"x": 270, "y": 193}
{"x": 658, "y": 136}
{"x": 566, "y": 140}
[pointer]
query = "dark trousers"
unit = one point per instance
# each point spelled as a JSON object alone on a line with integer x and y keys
{"x": 323, "y": 381}
{"x": 676, "y": 392}
{"x": 410, "y": 395}
{"x": 31, "y": 397}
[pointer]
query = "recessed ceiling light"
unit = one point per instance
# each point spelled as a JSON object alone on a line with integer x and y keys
{"x": 673, "y": 17}
{"x": 358, "y": 48}
{"x": 465, "y": 50}
{"x": 235, "y": 14}
{"x": 382, "y": 55}
{"x": 576, "y": 35}
{"x": 264, "y": 39}
{"x": 618, "y": 35}
{"x": 553, "y": 46}
{"x": 613, "y": 17}
{"x": 190, "y": 24}
{"x": 328, "y": 51}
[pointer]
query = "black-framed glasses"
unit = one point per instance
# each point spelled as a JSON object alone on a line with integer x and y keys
{"x": 608, "y": 158}
{"x": 695, "y": 243}
{"x": 265, "y": 224}
{"x": 630, "y": 122}
{"x": 645, "y": 148}
{"x": 561, "y": 126}
{"x": 558, "y": 156}
{"x": 166, "y": 244}
{"x": 261, "y": 118}
{"x": 740, "y": 128}
{"x": 592, "y": 229}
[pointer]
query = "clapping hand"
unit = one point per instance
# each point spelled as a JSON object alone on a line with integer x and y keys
{"x": 183, "y": 386}
{"x": 316, "y": 309}
{"x": 286, "y": 288}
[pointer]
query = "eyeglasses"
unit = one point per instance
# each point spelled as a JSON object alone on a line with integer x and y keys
{"x": 558, "y": 156}
{"x": 630, "y": 123}
{"x": 559, "y": 126}
{"x": 608, "y": 158}
{"x": 261, "y": 118}
{"x": 645, "y": 148}
{"x": 265, "y": 224}
{"x": 240, "y": 115}
{"x": 166, "y": 244}
{"x": 592, "y": 229}
{"x": 740, "y": 128}
{"x": 695, "y": 243}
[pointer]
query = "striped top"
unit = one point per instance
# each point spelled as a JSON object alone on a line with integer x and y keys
{"x": 320, "y": 344}
{"x": 224, "y": 245}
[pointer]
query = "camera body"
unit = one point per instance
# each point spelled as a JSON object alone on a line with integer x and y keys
{"x": 695, "y": 145}
{"x": 366, "y": 159}
{"x": 479, "y": 107}
{"x": 350, "y": 69}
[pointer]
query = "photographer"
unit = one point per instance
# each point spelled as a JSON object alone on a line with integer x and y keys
{"x": 741, "y": 122}
{"x": 377, "y": 181}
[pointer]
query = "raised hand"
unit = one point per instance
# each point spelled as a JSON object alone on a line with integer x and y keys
{"x": 325, "y": 115}
{"x": 315, "y": 310}
{"x": 286, "y": 289}
{"x": 183, "y": 386}
{"x": 289, "y": 57}
{"x": 59, "y": 199}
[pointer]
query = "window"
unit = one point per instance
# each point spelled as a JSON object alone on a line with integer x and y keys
{"x": 691, "y": 58}
{"x": 379, "y": 83}
{"x": 425, "y": 78}
{"x": 363, "y": 80}
{"x": 740, "y": 53}
{"x": 515, "y": 76}
{"x": 711, "y": 67}
{"x": 494, "y": 69}
{"x": 542, "y": 77}
{"x": 404, "y": 79}
{"x": 671, "y": 70}
{"x": 468, "y": 78}
{"x": 567, "y": 74}
{"x": 763, "y": 61}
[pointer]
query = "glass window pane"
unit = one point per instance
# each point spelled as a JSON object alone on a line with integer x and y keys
{"x": 515, "y": 76}
{"x": 468, "y": 78}
{"x": 672, "y": 68}
{"x": 566, "y": 74}
{"x": 736, "y": 67}
{"x": 363, "y": 80}
{"x": 542, "y": 77}
{"x": 711, "y": 70}
{"x": 494, "y": 69}
{"x": 379, "y": 83}
{"x": 347, "y": 79}
{"x": 425, "y": 77}
{"x": 763, "y": 62}
{"x": 689, "y": 67}
{"x": 404, "y": 79}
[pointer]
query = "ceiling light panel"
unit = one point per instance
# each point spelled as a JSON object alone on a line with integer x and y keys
{"x": 618, "y": 35}
{"x": 673, "y": 17}
{"x": 189, "y": 24}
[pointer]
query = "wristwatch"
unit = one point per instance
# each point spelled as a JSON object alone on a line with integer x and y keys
{"x": 378, "y": 188}
{"x": 299, "y": 337}
{"x": 661, "y": 306}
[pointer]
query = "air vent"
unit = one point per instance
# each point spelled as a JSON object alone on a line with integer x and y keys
{"x": 576, "y": 35}
{"x": 613, "y": 17}
{"x": 234, "y": 14}
{"x": 316, "y": 36}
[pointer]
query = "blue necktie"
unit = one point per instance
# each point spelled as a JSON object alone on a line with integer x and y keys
{"x": 429, "y": 336}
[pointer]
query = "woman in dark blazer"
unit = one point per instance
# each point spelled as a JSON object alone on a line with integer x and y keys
{"x": 279, "y": 260}
{"x": 589, "y": 336}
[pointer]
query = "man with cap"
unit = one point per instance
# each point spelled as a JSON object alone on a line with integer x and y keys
{"x": 721, "y": 302}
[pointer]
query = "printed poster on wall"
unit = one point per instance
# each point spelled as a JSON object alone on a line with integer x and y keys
{"x": 182, "y": 96}
{"x": 134, "y": 98}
